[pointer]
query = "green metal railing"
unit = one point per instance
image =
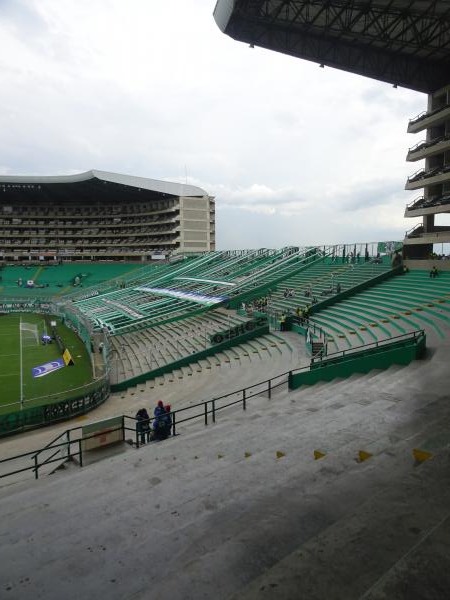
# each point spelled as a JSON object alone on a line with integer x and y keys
{"x": 68, "y": 445}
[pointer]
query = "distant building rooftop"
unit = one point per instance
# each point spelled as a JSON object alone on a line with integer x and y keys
{"x": 142, "y": 183}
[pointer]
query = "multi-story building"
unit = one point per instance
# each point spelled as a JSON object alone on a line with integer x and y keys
{"x": 102, "y": 216}
{"x": 433, "y": 179}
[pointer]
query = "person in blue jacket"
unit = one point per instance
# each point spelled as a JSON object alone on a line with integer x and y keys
{"x": 162, "y": 424}
{"x": 159, "y": 409}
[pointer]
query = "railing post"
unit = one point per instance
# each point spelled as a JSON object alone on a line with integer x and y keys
{"x": 213, "y": 402}
{"x": 123, "y": 428}
{"x": 244, "y": 400}
{"x": 80, "y": 451}
{"x": 206, "y": 412}
{"x": 174, "y": 424}
{"x": 36, "y": 474}
{"x": 269, "y": 388}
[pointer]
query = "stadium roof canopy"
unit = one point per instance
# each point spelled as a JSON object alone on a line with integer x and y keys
{"x": 94, "y": 183}
{"x": 403, "y": 42}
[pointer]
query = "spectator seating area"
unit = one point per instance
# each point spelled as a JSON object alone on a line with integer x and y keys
{"x": 89, "y": 230}
{"x": 213, "y": 278}
{"x": 399, "y": 305}
{"x": 61, "y": 279}
{"x": 158, "y": 314}
{"x": 321, "y": 281}
{"x": 150, "y": 328}
{"x": 148, "y": 349}
{"x": 245, "y": 479}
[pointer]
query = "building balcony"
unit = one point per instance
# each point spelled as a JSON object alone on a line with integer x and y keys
{"x": 417, "y": 235}
{"x": 429, "y": 119}
{"x": 426, "y": 149}
{"x": 424, "y": 178}
{"x": 428, "y": 206}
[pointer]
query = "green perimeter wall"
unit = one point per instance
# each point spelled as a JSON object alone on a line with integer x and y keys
{"x": 381, "y": 357}
{"x": 38, "y": 416}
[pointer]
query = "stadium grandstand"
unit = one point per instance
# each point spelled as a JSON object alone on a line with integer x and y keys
{"x": 402, "y": 42}
{"x": 102, "y": 216}
{"x": 308, "y": 386}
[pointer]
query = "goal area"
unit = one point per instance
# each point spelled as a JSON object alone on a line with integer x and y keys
{"x": 29, "y": 333}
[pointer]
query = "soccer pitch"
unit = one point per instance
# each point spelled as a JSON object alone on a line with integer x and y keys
{"x": 34, "y": 391}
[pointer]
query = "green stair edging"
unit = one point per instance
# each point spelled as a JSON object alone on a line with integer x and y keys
{"x": 381, "y": 357}
{"x": 182, "y": 362}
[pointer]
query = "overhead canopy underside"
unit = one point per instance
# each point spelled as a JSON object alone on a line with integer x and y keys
{"x": 92, "y": 186}
{"x": 403, "y": 42}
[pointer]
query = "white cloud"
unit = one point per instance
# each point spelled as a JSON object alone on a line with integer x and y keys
{"x": 155, "y": 89}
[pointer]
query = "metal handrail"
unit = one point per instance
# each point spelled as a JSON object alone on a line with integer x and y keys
{"x": 424, "y": 114}
{"x": 428, "y": 143}
{"x": 415, "y": 174}
{"x": 414, "y": 227}
{"x": 418, "y": 117}
{"x": 206, "y": 408}
{"x": 416, "y": 146}
{"x": 418, "y": 199}
{"x": 375, "y": 344}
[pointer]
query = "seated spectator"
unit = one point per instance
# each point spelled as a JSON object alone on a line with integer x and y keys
{"x": 378, "y": 260}
{"x": 434, "y": 272}
{"x": 143, "y": 425}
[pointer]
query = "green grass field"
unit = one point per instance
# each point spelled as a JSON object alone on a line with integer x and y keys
{"x": 53, "y": 387}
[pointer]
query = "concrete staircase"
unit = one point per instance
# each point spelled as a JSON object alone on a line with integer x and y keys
{"x": 241, "y": 509}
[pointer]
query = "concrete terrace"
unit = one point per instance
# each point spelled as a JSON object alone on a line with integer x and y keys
{"x": 148, "y": 349}
{"x": 242, "y": 510}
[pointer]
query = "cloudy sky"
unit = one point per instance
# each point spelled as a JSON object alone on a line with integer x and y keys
{"x": 294, "y": 154}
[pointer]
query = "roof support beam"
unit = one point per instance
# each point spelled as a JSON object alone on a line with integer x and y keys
{"x": 405, "y": 42}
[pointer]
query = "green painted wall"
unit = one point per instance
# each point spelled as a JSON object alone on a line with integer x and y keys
{"x": 37, "y": 416}
{"x": 399, "y": 353}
